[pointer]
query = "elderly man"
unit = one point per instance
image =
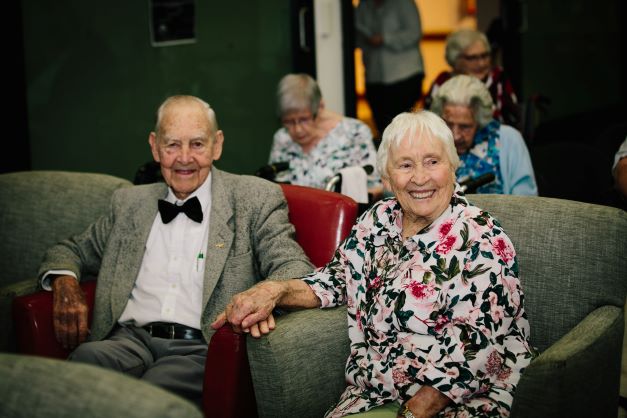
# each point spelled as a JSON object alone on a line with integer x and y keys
{"x": 163, "y": 276}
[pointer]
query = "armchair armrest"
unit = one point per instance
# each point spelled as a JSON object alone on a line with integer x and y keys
{"x": 298, "y": 369}
{"x": 32, "y": 319}
{"x": 578, "y": 376}
{"x": 228, "y": 387}
{"x": 7, "y": 294}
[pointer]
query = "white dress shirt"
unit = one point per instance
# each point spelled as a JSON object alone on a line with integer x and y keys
{"x": 170, "y": 281}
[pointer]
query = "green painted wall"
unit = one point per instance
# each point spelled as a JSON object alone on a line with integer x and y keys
{"x": 571, "y": 52}
{"x": 94, "y": 81}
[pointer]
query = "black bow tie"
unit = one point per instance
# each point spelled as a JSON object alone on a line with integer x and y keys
{"x": 191, "y": 208}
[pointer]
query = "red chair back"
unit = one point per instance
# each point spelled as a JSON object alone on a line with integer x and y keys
{"x": 322, "y": 220}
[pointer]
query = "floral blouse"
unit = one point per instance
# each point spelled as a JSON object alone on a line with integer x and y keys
{"x": 348, "y": 144}
{"x": 443, "y": 308}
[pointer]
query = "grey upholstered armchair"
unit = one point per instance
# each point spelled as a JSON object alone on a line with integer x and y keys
{"x": 47, "y": 388}
{"x": 573, "y": 267}
{"x": 38, "y": 209}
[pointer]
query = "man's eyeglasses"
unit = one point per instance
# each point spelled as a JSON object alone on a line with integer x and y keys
{"x": 476, "y": 57}
{"x": 292, "y": 123}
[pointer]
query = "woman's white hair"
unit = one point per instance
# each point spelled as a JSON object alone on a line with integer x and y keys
{"x": 298, "y": 92}
{"x": 458, "y": 41}
{"x": 465, "y": 90}
{"x": 416, "y": 126}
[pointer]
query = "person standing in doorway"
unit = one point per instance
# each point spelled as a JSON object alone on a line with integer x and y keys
{"x": 388, "y": 33}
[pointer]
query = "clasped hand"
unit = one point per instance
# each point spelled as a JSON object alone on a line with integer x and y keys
{"x": 250, "y": 311}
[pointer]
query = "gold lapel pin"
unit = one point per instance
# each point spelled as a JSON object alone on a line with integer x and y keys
{"x": 220, "y": 245}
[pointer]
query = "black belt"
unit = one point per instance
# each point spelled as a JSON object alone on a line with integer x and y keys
{"x": 172, "y": 331}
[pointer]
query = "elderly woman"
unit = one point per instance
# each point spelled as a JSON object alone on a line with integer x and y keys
{"x": 435, "y": 309}
{"x": 468, "y": 52}
{"x": 484, "y": 144}
{"x": 317, "y": 142}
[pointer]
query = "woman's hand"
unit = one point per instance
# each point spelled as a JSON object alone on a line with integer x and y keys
{"x": 426, "y": 403}
{"x": 69, "y": 312}
{"x": 251, "y": 311}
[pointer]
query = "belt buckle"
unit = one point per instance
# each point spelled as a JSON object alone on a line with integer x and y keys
{"x": 171, "y": 331}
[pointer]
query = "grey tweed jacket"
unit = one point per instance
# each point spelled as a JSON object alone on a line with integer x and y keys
{"x": 250, "y": 239}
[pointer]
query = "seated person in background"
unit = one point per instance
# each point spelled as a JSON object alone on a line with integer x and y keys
{"x": 436, "y": 320}
{"x": 468, "y": 52}
{"x": 619, "y": 170}
{"x": 317, "y": 142}
{"x": 163, "y": 274}
{"x": 484, "y": 144}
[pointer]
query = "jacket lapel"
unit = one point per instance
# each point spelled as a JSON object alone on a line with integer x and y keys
{"x": 220, "y": 234}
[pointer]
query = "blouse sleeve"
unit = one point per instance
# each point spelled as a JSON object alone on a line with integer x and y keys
{"x": 480, "y": 333}
{"x": 329, "y": 282}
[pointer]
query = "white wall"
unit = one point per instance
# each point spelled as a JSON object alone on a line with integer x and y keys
{"x": 329, "y": 62}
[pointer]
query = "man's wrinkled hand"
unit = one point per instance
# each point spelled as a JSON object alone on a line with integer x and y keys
{"x": 250, "y": 311}
{"x": 69, "y": 312}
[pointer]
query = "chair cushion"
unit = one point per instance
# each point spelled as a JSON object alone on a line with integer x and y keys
{"x": 46, "y": 388}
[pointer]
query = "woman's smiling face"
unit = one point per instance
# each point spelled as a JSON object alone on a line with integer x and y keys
{"x": 422, "y": 178}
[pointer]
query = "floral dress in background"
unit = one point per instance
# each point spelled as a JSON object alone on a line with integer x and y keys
{"x": 348, "y": 144}
{"x": 443, "y": 308}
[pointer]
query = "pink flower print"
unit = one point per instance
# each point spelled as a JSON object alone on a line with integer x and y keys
{"x": 446, "y": 244}
{"x": 494, "y": 364}
{"x": 504, "y": 374}
{"x": 484, "y": 245}
{"x": 503, "y": 249}
{"x": 420, "y": 290}
{"x": 362, "y": 232}
{"x": 493, "y": 299}
{"x": 497, "y": 312}
{"x": 445, "y": 228}
{"x": 376, "y": 283}
{"x": 440, "y": 322}
{"x": 358, "y": 319}
{"x": 384, "y": 313}
{"x": 399, "y": 376}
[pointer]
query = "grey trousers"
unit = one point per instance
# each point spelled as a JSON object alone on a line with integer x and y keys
{"x": 175, "y": 365}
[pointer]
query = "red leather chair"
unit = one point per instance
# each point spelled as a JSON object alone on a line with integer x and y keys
{"x": 322, "y": 220}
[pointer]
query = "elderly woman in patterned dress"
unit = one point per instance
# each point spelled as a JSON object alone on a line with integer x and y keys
{"x": 436, "y": 319}
{"x": 317, "y": 142}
